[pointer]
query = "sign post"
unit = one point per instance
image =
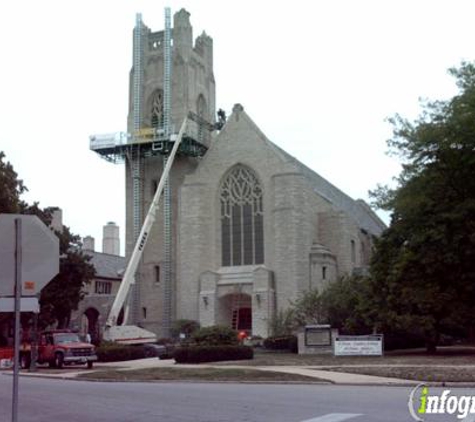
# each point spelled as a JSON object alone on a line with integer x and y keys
{"x": 16, "y": 356}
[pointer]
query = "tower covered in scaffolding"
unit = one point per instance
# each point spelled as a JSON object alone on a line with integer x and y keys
{"x": 171, "y": 75}
{"x": 171, "y": 79}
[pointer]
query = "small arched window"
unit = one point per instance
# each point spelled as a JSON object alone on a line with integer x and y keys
{"x": 202, "y": 112}
{"x": 242, "y": 227}
{"x": 353, "y": 252}
{"x": 156, "y": 111}
{"x": 201, "y": 107}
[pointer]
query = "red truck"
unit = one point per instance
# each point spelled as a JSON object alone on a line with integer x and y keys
{"x": 58, "y": 348}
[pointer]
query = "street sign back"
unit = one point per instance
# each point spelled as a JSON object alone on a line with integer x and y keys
{"x": 40, "y": 254}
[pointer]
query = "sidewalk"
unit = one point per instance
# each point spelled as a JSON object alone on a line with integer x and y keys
{"x": 322, "y": 374}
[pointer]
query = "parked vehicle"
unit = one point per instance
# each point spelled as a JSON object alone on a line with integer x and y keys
{"x": 59, "y": 348}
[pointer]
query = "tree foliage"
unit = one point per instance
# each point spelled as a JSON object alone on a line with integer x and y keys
{"x": 308, "y": 309}
{"x": 346, "y": 305}
{"x": 423, "y": 269}
{"x": 343, "y": 304}
{"x": 184, "y": 326}
{"x": 62, "y": 295}
{"x": 10, "y": 187}
{"x": 282, "y": 323}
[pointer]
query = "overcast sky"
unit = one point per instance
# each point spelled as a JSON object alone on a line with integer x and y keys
{"x": 318, "y": 77}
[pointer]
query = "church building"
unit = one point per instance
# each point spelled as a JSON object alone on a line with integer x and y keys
{"x": 251, "y": 227}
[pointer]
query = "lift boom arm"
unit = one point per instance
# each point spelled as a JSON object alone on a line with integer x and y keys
{"x": 129, "y": 275}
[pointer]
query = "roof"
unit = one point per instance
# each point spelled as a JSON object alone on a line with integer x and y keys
{"x": 358, "y": 209}
{"x": 107, "y": 265}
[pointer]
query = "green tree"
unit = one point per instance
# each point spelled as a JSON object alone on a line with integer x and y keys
{"x": 62, "y": 294}
{"x": 283, "y": 322}
{"x": 309, "y": 309}
{"x": 423, "y": 269}
{"x": 10, "y": 187}
{"x": 343, "y": 304}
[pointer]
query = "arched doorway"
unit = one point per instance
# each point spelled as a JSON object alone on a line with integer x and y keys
{"x": 89, "y": 324}
{"x": 242, "y": 319}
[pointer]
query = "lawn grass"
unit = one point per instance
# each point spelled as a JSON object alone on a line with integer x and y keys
{"x": 196, "y": 374}
{"x": 454, "y": 364}
{"x": 446, "y": 356}
{"x": 427, "y": 374}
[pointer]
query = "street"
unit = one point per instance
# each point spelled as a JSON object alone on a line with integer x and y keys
{"x": 42, "y": 399}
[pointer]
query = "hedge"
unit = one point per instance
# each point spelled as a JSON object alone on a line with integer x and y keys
{"x": 198, "y": 354}
{"x": 119, "y": 352}
{"x": 216, "y": 335}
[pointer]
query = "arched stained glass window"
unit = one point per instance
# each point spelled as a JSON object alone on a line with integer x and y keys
{"x": 156, "y": 118}
{"x": 242, "y": 228}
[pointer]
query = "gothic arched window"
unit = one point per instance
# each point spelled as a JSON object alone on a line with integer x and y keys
{"x": 242, "y": 228}
{"x": 156, "y": 115}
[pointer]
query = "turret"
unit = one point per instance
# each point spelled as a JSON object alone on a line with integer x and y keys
{"x": 204, "y": 47}
{"x": 182, "y": 33}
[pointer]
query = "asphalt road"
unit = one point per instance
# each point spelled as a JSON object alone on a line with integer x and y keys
{"x": 80, "y": 401}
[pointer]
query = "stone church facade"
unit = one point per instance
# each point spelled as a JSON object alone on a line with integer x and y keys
{"x": 252, "y": 227}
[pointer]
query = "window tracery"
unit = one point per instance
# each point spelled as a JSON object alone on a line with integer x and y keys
{"x": 157, "y": 116}
{"x": 242, "y": 228}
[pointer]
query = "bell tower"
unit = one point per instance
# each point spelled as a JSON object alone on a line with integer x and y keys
{"x": 171, "y": 76}
{"x": 191, "y": 75}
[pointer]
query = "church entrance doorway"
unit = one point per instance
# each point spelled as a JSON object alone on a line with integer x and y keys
{"x": 242, "y": 319}
{"x": 236, "y": 311}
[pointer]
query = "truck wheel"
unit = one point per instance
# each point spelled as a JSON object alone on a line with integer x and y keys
{"x": 25, "y": 360}
{"x": 58, "y": 360}
{"x": 90, "y": 364}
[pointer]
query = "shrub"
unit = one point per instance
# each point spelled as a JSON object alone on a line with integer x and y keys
{"x": 185, "y": 326}
{"x": 289, "y": 343}
{"x": 216, "y": 335}
{"x": 111, "y": 352}
{"x": 198, "y": 354}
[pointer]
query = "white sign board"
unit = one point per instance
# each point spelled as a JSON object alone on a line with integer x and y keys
{"x": 40, "y": 254}
{"x": 359, "y": 345}
{"x": 27, "y": 304}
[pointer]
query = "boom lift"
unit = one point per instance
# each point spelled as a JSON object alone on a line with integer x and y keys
{"x": 130, "y": 334}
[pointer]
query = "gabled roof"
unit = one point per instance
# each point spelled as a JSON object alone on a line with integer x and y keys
{"x": 106, "y": 265}
{"x": 359, "y": 210}
{"x": 366, "y": 218}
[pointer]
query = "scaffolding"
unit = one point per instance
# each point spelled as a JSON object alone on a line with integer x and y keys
{"x": 167, "y": 194}
{"x": 135, "y": 159}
